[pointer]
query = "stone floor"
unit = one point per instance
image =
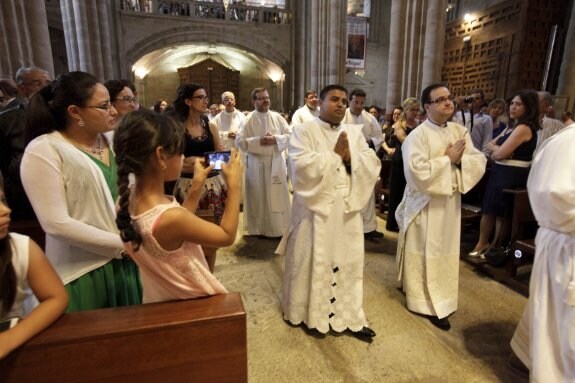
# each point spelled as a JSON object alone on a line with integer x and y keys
{"x": 407, "y": 348}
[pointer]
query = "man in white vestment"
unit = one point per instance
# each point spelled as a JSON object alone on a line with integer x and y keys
{"x": 545, "y": 337}
{"x": 440, "y": 163}
{"x": 372, "y": 133}
{"x": 229, "y": 121}
{"x": 333, "y": 171}
{"x": 309, "y": 111}
{"x": 266, "y": 197}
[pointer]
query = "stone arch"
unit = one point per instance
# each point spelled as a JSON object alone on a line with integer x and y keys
{"x": 247, "y": 41}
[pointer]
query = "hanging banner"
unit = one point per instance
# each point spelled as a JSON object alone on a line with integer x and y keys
{"x": 356, "y": 42}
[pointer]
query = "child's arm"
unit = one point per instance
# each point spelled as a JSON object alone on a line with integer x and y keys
{"x": 178, "y": 225}
{"x": 200, "y": 175}
{"x": 53, "y": 298}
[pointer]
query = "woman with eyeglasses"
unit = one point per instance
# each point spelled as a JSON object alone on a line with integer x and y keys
{"x": 201, "y": 137}
{"x": 69, "y": 174}
{"x": 122, "y": 96}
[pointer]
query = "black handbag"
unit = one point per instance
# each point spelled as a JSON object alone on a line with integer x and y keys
{"x": 498, "y": 256}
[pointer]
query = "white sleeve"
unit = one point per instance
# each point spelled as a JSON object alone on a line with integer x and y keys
{"x": 43, "y": 181}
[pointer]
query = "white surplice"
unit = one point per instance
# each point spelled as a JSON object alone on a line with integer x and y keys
{"x": 429, "y": 216}
{"x": 371, "y": 132}
{"x": 229, "y": 122}
{"x": 266, "y": 196}
{"x": 545, "y": 337}
{"x": 304, "y": 114}
{"x": 323, "y": 279}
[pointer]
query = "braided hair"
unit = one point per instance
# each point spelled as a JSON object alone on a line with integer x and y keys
{"x": 135, "y": 140}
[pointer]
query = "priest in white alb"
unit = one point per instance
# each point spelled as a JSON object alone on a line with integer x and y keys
{"x": 229, "y": 121}
{"x": 266, "y": 197}
{"x": 440, "y": 164}
{"x": 309, "y": 111}
{"x": 332, "y": 171}
{"x": 545, "y": 337}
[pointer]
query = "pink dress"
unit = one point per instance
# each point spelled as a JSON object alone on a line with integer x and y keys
{"x": 170, "y": 275}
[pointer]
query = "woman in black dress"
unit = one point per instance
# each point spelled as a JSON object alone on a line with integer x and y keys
{"x": 511, "y": 152}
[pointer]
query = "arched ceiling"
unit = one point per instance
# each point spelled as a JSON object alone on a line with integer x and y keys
{"x": 169, "y": 59}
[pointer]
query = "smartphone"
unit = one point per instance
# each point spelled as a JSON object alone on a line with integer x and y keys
{"x": 217, "y": 158}
{"x": 8, "y": 324}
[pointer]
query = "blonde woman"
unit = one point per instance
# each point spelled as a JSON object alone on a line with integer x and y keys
{"x": 403, "y": 126}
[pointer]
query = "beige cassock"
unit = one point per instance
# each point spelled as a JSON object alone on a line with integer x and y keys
{"x": 429, "y": 216}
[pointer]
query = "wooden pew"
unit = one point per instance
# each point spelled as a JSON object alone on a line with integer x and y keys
{"x": 199, "y": 340}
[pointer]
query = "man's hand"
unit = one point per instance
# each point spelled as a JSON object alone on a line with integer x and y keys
{"x": 342, "y": 148}
{"x": 455, "y": 151}
{"x": 232, "y": 135}
{"x": 268, "y": 139}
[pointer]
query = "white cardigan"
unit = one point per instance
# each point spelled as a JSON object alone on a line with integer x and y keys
{"x": 73, "y": 204}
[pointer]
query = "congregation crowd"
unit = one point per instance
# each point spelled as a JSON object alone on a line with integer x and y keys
{"x": 134, "y": 212}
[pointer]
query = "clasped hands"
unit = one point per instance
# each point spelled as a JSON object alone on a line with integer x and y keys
{"x": 455, "y": 151}
{"x": 342, "y": 148}
{"x": 268, "y": 139}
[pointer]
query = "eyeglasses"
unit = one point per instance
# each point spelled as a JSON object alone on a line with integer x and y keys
{"x": 105, "y": 107}
{"x": 201, "y": 98}
{"x": 262, "y": 98}
{"x": 226, "y": 100}
{"x": 127, "y": 99}
{"x": 441, "y": 100}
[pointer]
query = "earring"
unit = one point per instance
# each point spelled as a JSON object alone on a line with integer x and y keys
{"x": 81, "y": 123}
{"x": 164, "y": 167}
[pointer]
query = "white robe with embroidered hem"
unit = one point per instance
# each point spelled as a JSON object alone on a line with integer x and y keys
{"x": 429, "y": 216}
{"x": 266, "y": 196}
{"x": 545, "y": 337}
{"x": 323, "y": 278}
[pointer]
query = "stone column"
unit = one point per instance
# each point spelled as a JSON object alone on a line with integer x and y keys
{"x": 88, "y": 32}
{"x": 25, "y": 39}
{"x": 566, "y": 83}
{"x": 396, "y": 53}
{"x": 434, "y": 42}
{"x": 319, "y": 48}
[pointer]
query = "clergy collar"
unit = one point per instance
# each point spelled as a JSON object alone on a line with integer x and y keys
{"x": 435, "y": 123}
{"x": 332, "y": 126}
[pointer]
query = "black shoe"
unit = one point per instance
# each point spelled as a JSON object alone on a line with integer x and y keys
{"x": 365, "y": 334}
{"x": 313, "y": 332}
{"x": 442, "y": 323}
{"x": 373, "y": 235}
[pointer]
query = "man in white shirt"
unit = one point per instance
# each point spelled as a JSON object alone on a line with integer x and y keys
{"x": 309, "y": 111}
{"x": 264, "y": 140}
{"x": 371, "y": 130}
{"x": 549, "y": 126}
{"x": 229, "y": 121}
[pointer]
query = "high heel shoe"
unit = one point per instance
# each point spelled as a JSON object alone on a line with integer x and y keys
{"x": 478, "y": 253}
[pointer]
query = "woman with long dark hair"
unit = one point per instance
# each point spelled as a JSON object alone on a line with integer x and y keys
{"x": 511, "y": 152}
{"x": 201, "y": 137}
{"x": 69, "y": 174}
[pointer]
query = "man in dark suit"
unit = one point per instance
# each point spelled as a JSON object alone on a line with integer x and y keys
{"x": 12, "y": 140}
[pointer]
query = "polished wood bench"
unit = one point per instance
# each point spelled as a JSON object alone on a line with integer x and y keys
{"x": 199, "y": 340}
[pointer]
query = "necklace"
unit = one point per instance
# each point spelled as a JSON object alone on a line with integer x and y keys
{"x": 96, "y": 150}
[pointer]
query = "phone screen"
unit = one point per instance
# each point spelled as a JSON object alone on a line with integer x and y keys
{"x": 217, "y": 158}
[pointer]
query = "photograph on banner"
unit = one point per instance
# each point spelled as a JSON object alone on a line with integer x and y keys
{"x": 356, "y": 42}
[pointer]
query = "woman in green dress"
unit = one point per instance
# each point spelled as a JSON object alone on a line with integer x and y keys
{"x": 69, "y": 173}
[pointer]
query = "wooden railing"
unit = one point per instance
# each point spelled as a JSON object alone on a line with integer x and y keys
{"x": 199, "y": 340}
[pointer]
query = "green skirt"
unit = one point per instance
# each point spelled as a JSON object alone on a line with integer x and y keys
{"x": 115, "y": 284}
